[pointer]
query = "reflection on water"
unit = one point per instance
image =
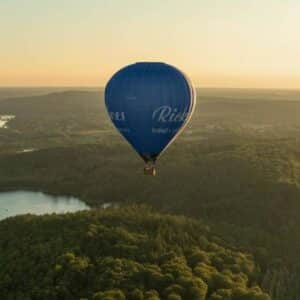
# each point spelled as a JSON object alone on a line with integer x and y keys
{"x": 4, "y": 120}
{"x": 23, "y": 202}
{"x": 27, "y": 150}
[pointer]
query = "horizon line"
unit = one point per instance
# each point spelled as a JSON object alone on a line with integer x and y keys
{"x": 102, "y": 87}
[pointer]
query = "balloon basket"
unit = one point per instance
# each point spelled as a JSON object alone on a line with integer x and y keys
{"x": 149, "y": 169}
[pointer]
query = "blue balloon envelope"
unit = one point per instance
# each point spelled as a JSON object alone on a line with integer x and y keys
{"x": 149, "y": 103}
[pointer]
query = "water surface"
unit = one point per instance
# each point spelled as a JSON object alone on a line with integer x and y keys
{"x": 24, "y": 202}
{"x": 4, "y": 119}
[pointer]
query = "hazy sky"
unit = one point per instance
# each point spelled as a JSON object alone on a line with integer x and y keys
{"x": 224, "y": 43}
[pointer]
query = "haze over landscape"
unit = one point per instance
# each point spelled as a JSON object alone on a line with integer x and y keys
{"x": 79, "y": 220}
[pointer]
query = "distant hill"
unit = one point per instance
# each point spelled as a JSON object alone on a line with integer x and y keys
{"x": 69, "y": 117}
{"x": 18, "y": 92}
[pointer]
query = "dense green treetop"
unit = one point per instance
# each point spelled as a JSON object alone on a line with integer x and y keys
{"x": 129, "y": 253}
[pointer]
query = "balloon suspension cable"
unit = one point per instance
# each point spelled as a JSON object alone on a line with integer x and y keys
{"x": 149, "y": 168}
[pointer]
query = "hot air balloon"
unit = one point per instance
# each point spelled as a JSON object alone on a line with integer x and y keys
{"x": 149, "y": 103}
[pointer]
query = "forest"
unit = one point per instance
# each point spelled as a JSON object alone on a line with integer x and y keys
{"x": 131, "y": 253}
{"x": 221, "y": 219}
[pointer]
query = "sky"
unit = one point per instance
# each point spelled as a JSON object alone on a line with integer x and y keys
{"x": 218, "y": 43}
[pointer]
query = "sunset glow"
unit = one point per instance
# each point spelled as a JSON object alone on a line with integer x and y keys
{"x": 218, "y": 43}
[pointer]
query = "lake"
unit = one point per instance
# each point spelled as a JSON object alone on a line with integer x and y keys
{"x": 38, "y": 203}
{"x": 4, "y": 119}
